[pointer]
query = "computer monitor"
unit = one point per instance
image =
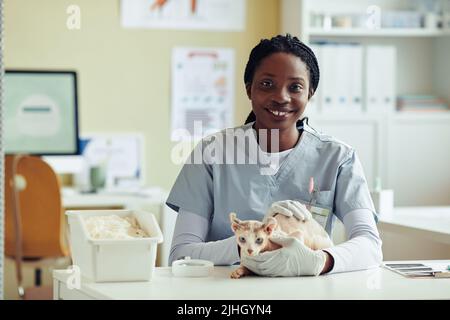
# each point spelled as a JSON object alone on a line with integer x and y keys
{"x": 41, "y": 112}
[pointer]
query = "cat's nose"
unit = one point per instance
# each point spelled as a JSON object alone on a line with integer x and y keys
{"x": 250, "y": 251}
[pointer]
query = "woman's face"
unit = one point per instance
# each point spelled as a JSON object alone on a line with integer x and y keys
{"x": 279, "y": 91}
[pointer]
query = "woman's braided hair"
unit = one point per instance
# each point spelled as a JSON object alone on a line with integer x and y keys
{"x": 286, "y": 44}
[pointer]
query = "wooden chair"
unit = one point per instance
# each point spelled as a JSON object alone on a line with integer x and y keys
{"x": 34, "y": 221}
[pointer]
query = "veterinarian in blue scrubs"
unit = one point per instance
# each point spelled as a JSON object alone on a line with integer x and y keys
{"x": 280, "y": 78}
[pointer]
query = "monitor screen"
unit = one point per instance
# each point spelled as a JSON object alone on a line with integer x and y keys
{"x": 41, "y": 115}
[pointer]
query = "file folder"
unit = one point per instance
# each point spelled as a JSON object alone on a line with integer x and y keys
{"x": 380, "y": 79}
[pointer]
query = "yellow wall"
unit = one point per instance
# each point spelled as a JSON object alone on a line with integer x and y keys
{"x": 124, "y": 74}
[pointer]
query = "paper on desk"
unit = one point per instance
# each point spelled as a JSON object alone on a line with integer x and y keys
{"x": 119, "y": 152}
{"x": 420, "y": 270}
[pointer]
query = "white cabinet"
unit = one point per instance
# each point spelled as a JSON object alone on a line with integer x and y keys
{"x": 362, "y": 133}
{"x": 409, "y": 152}
{"x": 419, "y": 159}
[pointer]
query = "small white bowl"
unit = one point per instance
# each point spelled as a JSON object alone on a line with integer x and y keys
{"x": 188, "y": 267}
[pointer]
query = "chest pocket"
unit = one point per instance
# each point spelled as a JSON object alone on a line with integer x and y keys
{"x": 325, "y": 199}
{"x": 323, "y": 208}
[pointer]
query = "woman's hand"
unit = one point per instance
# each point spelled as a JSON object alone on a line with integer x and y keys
{"x": 290, "y": 208}
{"x": 293, "y": 259}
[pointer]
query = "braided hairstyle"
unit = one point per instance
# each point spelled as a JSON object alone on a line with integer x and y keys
{"x": 286, "y": 44}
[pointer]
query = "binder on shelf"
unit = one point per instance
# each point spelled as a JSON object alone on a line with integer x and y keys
{"x": 341, "y": 68}
{"x": 340, "y": 87}
{"x": 354, "y": 78}
{"x": 328, "y": 74}
{"x": 380, "y": 79}
{"x": 314, "y": 105}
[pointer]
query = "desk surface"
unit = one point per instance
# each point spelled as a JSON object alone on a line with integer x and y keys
{"x": 378, "y": 283}
{"x": 432, "y": 222}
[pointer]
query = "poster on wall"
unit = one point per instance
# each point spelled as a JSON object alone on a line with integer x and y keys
{"x": 208, "y": 15}
{"x": 202, "y": 91}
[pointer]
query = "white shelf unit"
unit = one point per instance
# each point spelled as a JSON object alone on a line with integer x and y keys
{"x": 393, "y": 145}
{"x": 386, "y": 32}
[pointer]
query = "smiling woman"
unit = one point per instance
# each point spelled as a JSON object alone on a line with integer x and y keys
{"x": 281, "y": 76}
{"x": 279, "y": 92}
{"x": 279, "y": 85}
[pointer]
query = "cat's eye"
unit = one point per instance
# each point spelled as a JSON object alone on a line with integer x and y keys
{"x": 259, "y": 240}
{"x": 241, "y": 239}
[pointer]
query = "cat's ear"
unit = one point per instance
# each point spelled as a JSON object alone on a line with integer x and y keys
{"x": 269, "y": 225}
{"x": 235, "y": 222}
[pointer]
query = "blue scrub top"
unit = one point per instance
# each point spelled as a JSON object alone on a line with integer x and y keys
{"x": 215, "y": 187}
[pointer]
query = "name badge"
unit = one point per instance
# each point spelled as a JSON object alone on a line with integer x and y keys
{"x": 320, "y": 214}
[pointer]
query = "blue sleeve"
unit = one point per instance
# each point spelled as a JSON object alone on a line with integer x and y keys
{"x": 193, "y": 188}
{"x": 352, "y": 191}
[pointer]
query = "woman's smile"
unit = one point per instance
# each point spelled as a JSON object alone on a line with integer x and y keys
{"x": 279, "y": 114}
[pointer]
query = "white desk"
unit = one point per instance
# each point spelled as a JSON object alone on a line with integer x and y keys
{"x": 432, "y": 223}
{"x": 378, "y": 283}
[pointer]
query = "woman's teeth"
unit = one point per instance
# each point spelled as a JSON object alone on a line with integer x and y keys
{"x": 278, "y": 113}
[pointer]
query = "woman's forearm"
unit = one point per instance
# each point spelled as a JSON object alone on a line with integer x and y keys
{"x": 363, "y": 250}
{"x": 189, "y": 239}
{"x": 221, "y": 252}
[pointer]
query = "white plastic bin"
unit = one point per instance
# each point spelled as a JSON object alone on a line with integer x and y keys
{"x": 114, "y": 260}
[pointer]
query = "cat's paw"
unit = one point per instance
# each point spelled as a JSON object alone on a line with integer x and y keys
{"x": 239, "y": 272}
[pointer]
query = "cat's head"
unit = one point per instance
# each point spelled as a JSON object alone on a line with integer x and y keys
{"x": 251, "y": 235}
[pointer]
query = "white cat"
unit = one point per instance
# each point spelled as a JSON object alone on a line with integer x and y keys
{"x": 253, "y": 236}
